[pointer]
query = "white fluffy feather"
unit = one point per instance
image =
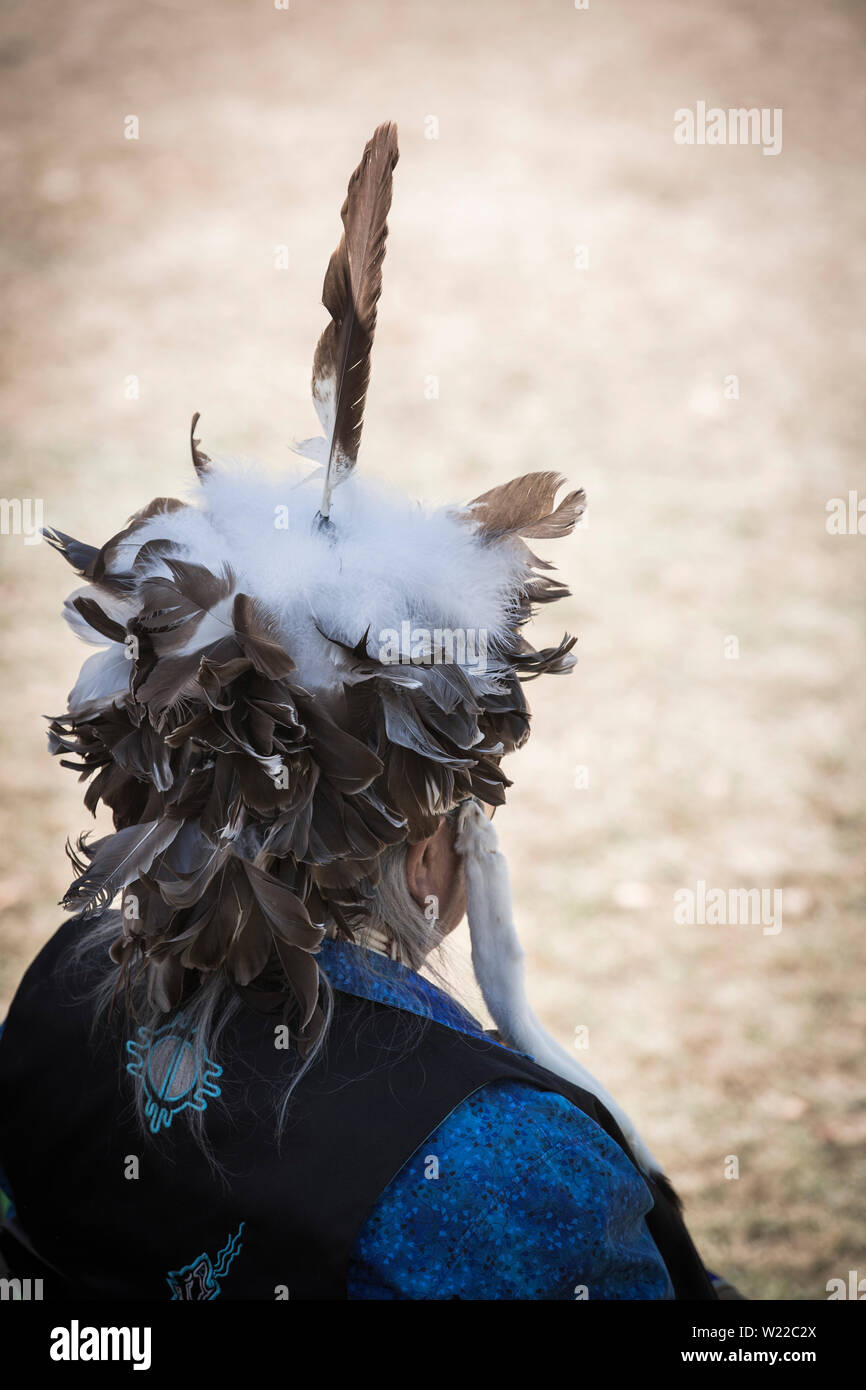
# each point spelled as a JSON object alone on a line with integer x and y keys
{"x": 387, "y": 561}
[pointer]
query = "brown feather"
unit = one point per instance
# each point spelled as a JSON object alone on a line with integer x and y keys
{"x": 76, "y": 553}
{"x": 98, "y": 619}
{"x": 353, "y": 284}
{"x": 107, "y": 556}
{"x": 524, "y": 507}
{"x": 199, "y": 457}
{"x": 259, "y": 638}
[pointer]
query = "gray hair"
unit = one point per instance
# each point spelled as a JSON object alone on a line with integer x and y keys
{"x": 395, "y": 912}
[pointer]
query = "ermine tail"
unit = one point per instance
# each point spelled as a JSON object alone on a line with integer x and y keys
{"x": 497, "y": 958}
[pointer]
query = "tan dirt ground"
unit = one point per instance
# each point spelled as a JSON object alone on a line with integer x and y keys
{"x": 155, "y": 258}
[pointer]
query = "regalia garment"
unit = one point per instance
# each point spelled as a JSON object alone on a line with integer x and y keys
{"x": 296, "y": 673}
{"x": 528, "y": 1195}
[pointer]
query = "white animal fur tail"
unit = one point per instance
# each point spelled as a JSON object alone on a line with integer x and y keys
{"x": 497, "y": 958}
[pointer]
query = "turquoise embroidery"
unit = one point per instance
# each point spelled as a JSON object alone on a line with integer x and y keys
{"x": 199, "y": 1280}
{"x": 166, "y": 1061}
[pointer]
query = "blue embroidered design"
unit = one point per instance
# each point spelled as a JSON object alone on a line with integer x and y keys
{"x": 199, "y": 1280}
{"x": 166, "y": 1061}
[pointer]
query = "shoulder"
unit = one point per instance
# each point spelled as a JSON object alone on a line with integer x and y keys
{"x": 517, "y": 1194}
{"x": 508, "y": 1127}
{"x": 58, "y": 948}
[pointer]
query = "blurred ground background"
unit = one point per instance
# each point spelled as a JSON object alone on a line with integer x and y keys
{"x": 155, "y": 258}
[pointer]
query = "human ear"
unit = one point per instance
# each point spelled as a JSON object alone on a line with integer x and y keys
{"x": 419, "y": 870}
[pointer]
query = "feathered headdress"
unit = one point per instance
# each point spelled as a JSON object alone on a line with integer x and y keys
{"x": 292, "y": 680}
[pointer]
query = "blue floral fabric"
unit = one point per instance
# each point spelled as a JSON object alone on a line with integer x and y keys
{"x": 516, "y": 1195}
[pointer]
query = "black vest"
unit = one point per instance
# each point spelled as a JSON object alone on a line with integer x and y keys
{"x": 285, "y": 1221}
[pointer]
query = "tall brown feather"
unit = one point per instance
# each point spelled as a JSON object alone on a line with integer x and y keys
{"x": 353, "y": 284}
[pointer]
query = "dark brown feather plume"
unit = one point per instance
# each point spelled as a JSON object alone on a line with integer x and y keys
{"x": 353, "y": 284}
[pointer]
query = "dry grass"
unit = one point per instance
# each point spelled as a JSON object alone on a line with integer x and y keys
{"x": 707, "y": 514}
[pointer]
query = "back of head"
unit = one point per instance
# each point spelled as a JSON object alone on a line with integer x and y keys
{"x": 297, "y": 675}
